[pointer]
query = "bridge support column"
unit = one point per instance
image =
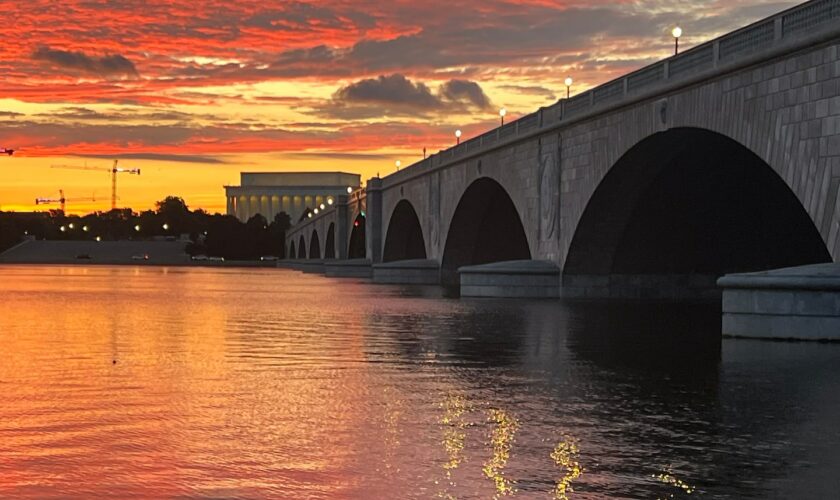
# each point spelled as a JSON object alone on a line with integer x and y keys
{"x": 373, "y": 220}
{"x": 793, "y": 303}
{"x": 407, "y": 272}
{"x": 342, "y": 227}
{"x": 514, "y": 279}
{"x": 311, "y": 266}
{"x": 352, "y": 268}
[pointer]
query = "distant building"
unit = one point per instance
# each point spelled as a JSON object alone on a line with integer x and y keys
{"x": 270, "y": 193}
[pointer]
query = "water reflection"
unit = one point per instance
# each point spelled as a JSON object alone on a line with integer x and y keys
{"x": 454, "y": 424}
{"x": 668, "y": 478}
{"x": 565, "y": 455}
{"x": 501, "y": 442}
{"x": 264, "y": 383}
{"x": 670, "y": 340}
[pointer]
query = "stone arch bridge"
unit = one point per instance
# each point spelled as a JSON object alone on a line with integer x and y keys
{"x": 724, "y": 158}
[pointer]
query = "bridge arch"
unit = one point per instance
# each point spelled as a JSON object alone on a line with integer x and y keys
{"x": 404, "y": 238}
{"x": 329, "y": 244}
{"x": 301, "y": 248}
{"x": 314, "y": 246}
{"x": 689, "y": 202}
{"x": 486, "y": 227}
{"x": 358, "y": 245}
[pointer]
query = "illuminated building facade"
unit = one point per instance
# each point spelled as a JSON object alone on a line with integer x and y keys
{"x": 269, "y": 193}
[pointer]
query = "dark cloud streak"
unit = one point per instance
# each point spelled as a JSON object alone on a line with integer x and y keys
{"x": 156, "y": 157}
{"x": 396, "y": 95}
{"x": 107, "y": 66}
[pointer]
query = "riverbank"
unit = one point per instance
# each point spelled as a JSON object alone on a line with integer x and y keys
{"x": 111, "y": 253}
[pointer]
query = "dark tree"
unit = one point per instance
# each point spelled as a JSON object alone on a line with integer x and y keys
{"x": 173, "y": 212}
{"x": 213, "y": 235}
{"x": 277, "y": 229}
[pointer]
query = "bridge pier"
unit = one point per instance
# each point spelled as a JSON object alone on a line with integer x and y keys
{"x": 311, "y": 266}
{"x": 408, "y": 272}
{"x": 792, "y": 303}
{"x": 373, "y": 220}
{"x": 353, "y": 268}
{"x": 514, "y": 279}
{"x": 341, "y": 229}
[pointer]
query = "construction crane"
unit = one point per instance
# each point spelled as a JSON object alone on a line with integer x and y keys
{"x": 114, "y": 171}
{"x": 60, "y": 200}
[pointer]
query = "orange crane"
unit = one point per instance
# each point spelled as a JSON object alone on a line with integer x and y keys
{"x": 61, "y": 200}
{"x": 114, "y": 171}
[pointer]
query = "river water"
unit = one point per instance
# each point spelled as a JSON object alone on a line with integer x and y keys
{"x": 235, "y": 383}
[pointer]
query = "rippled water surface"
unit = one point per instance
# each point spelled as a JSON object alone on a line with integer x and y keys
{"x": 219, "y": 383}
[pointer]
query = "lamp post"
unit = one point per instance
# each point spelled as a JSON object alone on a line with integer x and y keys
{"x": 568, "y": 83}
{"x": 458, "y": 137}
{"x": 677, "y": 33}
{"x": 502, "y": 113}
{"x": 398, "y": 164}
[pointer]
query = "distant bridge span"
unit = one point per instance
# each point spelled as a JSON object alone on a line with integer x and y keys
{"x": 723, "y": 158}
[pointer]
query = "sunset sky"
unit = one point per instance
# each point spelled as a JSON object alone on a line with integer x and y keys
{"x": 193, "y": 92}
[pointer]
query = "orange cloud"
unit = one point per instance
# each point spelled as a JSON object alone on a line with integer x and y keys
{"x": 250, "y": 78}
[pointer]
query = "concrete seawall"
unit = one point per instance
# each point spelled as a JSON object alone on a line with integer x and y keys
{"x": 93, "y": 252}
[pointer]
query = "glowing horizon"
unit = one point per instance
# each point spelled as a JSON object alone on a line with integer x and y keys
{"x": 192, "y": 94}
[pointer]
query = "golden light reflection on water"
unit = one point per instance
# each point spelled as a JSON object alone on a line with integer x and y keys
{"x": 393, "y": 417}
{"x": 454, "y": 425}
{"x": 166, "y": 379}
{"x": 502, "y": 437}
{"x": 565, "y": 455}
{"x": 668, "y": 477}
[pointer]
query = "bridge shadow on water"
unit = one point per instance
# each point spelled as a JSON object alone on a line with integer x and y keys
{"x": 675, "y": 340}
{"x": 679, "y": 340}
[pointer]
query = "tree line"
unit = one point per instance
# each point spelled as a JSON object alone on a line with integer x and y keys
{"x": 213, "y": 235}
